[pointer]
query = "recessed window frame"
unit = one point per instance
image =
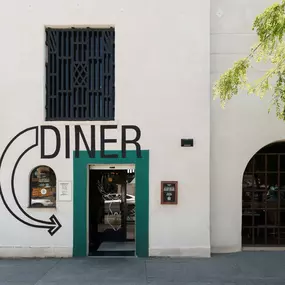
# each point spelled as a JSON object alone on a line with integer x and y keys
{"x": 31, "y": 187}
{"x": 273, "y": 227}
{"x": 83, "y": 89}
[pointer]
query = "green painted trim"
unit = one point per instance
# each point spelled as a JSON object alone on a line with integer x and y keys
{"x": 80, "y": 174}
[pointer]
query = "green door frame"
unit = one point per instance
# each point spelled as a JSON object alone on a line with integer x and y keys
{"x": 80, "y": 176}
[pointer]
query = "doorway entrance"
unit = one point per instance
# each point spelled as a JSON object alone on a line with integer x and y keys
{"x": 111, "y": 211}
{"x": 263, "y": 198}
{"x": 81, "y": 167}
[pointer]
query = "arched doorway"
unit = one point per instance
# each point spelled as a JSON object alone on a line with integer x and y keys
{"x": 263, "y": 198}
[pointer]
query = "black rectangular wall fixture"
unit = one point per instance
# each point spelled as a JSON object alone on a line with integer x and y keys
{"x": 187, "y": 142}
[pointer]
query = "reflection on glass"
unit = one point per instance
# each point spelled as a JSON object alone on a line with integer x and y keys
{"x": 117, "y": 189}
{"x": 43, "y": 187}
{"x": 248, "y": 181}
{"x": 131, "y": 216}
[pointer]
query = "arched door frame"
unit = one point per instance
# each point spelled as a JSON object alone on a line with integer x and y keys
{"x": 263, "y": 198}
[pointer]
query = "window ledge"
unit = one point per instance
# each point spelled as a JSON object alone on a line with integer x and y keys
{"x": 82, "y": 123}
{"x": 43, "y": 207}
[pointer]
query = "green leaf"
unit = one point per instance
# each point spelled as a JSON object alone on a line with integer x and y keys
{"x": 270, "y": 48}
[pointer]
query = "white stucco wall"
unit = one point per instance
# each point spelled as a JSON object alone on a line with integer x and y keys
{"x": 162, "y": 86}
{"x": 240, "y": 130}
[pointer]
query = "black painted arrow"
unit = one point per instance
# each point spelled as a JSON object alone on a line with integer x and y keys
{"x": 53, "y": 225}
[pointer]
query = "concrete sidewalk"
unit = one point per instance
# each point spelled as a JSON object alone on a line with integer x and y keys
{"x": 242, "y": 268}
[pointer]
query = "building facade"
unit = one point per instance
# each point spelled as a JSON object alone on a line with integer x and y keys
{"x": 110, "y": 139}
{"x": 239, "y": 132}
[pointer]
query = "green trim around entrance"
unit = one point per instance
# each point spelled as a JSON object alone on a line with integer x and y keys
{"x": 80, "y": 174}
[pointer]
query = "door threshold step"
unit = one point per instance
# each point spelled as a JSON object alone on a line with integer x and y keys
{"x": 263, "y": 248}
{"x": 113, "y": 253}
{"x": 117, "y": 246}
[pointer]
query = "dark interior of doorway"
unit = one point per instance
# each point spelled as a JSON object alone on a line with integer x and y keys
{"x": 111, "y": 213}
{"x": 263, "y": 198}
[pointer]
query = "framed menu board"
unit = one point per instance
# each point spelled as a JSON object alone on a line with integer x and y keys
{"x": 169, "y": 192}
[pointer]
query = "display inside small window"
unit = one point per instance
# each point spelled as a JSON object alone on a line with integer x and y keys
{"x": 42, "y": 188}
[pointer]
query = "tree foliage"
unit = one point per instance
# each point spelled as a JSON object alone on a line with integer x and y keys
{"x": 270, "y": 48}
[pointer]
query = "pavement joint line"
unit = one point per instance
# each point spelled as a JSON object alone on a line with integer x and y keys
{"x": 49, "y": 270}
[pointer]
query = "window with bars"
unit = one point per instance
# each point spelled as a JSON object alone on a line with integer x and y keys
{"x": 80, "y": 74}
{"x": 263, "y": 198}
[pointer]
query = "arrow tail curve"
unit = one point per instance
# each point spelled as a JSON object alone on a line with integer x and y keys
{"x": 54, "y": 225}
{"x": 13, "y": 184}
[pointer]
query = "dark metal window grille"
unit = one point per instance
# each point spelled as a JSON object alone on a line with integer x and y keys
{"x": 263, "y": 208}
{"x": 80, "y": 75}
